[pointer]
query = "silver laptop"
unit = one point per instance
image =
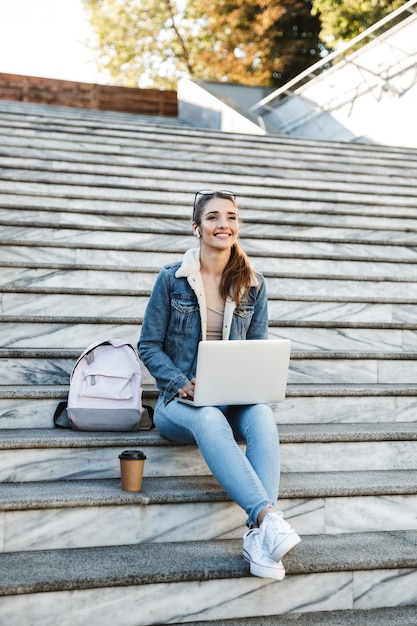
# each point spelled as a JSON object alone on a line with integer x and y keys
{"x": 241, "y": 372}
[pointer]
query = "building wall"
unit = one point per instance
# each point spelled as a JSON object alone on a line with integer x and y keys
{"x": 87, "y": 96}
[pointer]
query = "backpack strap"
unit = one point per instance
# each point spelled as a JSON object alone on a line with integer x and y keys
{"x": 150, "y": 411}
{"x": 61, "y": 416}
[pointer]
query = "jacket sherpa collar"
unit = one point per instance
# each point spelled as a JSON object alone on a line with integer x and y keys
{"x": 190, "y": 269}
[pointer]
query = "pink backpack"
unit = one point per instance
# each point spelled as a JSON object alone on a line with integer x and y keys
{"x": 105, "y": 390}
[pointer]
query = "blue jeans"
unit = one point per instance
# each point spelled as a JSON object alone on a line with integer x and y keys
{"x": 250, "y": 479}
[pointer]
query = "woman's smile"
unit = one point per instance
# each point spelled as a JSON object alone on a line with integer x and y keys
{"x": 222, "y": 235}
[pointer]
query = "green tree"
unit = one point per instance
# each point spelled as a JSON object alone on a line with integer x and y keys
{"x": 255, "y": 42}
{"x": 342, "y": 20}
{"x": 141, "y": 42}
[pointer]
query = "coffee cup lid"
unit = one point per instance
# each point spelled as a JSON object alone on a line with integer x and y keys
{"x": 132, "y": 455}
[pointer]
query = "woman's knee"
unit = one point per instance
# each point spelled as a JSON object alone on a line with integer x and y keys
{"x": 210, "y": 420}
{"x": 259, "y": 420}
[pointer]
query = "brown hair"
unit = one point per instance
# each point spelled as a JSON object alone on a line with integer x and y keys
{"x": 238, "y": 274}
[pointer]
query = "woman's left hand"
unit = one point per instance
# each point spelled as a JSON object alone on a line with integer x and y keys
{"x": 187, "y": 391}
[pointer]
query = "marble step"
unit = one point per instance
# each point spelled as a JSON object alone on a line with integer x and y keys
{"x": 117, "y": 216}
{"x": 348, "y": 309}
{"x": 15, "y": 275}
{"x": 258, "y": 233}
{"x": 177, "y": 203}
{"x": 95, "y": 185}
{"x": 80, "y": 279}
{"x": 96, "y": 301}
{"x": 40, "y": 366}
{"x": 341, "y": 338}
{"x": 122, "y": 305}
{"x": 105, "y": 130}
{"x": 149, "y": 251}
{"x": 279, "y": 157}
{"x": 67, "y": 152}
{"x": 393, "y": 616}
{"x": 69, "y": 304}
{"x": 53, "y": 454}
{"x": 395, "y": 194}
{"x": 87, "y": 513}
{"x": 27, "y": 406}
{"x": 51, "y": 120}
{"x": 338, "y": 160}
{"x": 24, "y": 117}
{"x": 283, "y": 226}
{"x": 118, "y": 583}
{"x": 161, "y": 167}
{"x": 55, "y": 332}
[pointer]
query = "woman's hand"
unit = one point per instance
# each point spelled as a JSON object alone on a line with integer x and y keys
{"x": 187, "y": 391}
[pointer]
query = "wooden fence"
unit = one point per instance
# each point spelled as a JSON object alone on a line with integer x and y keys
{"x": 88, "y": 96}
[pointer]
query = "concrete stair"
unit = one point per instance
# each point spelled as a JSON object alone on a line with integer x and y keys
{"x": 91, "y": 205}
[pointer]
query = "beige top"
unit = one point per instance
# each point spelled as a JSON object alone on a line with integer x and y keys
{"x": 214, "y": 324}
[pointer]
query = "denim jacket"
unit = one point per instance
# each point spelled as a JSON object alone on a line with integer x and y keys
{"x": 176, "y": 321}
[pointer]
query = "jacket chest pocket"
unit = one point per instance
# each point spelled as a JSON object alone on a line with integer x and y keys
{"x": 242, "y": 318}
{"x": 184, "y": 312}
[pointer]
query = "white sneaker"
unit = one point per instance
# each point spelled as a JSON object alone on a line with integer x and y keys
{"x": 277, "y": 535}
{"x": 261, "y": 564}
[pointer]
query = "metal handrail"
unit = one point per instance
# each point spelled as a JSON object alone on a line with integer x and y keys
{"x": 310, "y": 71}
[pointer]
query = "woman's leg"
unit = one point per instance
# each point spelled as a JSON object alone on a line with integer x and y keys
{"x": 255, "y": 425}
{"x": 209, "y": 428}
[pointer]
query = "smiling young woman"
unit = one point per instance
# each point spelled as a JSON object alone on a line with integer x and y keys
{"x": 214, "y": 293}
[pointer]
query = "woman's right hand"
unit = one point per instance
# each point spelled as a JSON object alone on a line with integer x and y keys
{"x": 187, "y": 391}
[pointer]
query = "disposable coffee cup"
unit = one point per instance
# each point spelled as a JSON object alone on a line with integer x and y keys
{"x": 131, "y": 469}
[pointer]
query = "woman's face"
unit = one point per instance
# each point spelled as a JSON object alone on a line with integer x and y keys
{"x": 219, "y": 225}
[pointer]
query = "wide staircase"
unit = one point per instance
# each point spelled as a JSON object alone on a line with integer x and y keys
{"x": 91, "y": 205}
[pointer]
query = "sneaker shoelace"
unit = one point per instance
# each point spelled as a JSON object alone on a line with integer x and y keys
{"x": 257, "y": 544}
{"x": 272, "y": 524}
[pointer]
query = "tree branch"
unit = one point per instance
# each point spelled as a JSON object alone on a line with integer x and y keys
{"x": 185, "y": 54}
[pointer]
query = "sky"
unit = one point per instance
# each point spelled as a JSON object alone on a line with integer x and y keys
{"x": 46, "y": 38}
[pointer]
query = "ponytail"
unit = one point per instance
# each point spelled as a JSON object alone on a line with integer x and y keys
{"x": 237, "y": 275}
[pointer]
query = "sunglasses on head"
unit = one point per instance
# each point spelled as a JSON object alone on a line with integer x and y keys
{"x": 209, "y": 192}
